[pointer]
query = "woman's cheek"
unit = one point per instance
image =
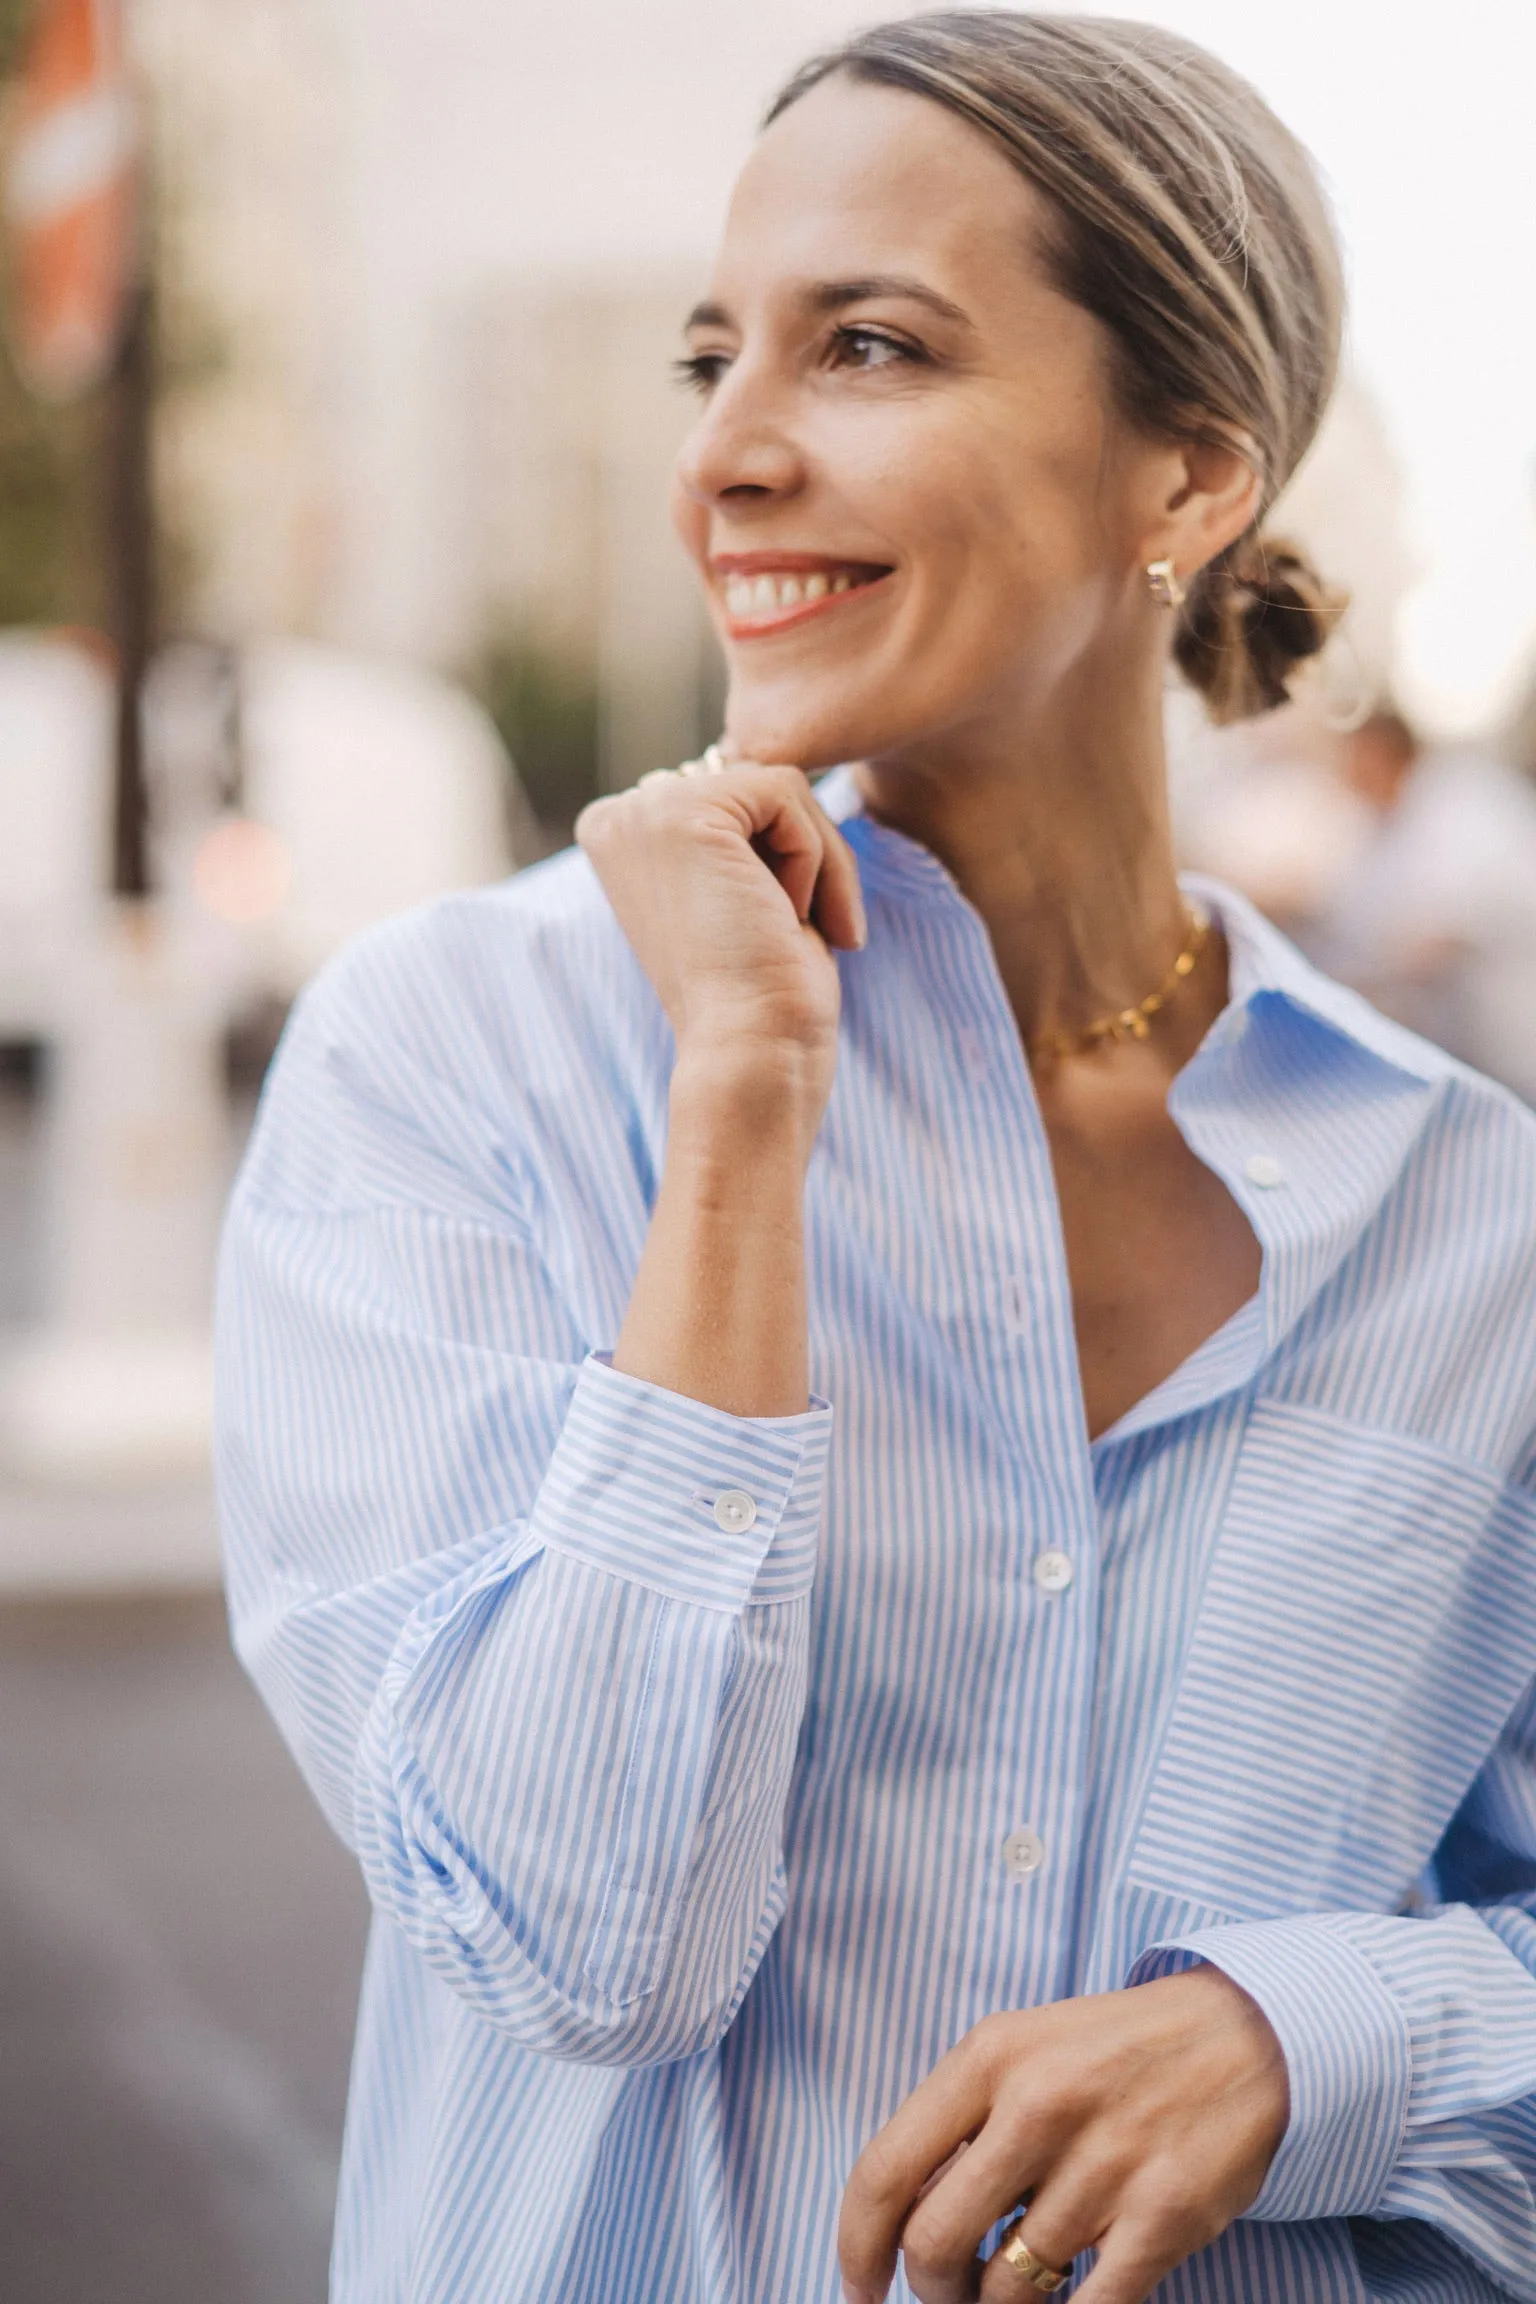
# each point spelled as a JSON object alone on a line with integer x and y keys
{"x": 690, "y": 525}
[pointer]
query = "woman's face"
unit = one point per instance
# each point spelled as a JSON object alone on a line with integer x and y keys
{"x": 910, "y": 497}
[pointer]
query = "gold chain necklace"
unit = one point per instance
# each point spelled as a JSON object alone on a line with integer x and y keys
{"x": 1130, "y": 1023}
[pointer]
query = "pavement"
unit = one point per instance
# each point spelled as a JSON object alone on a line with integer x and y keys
{"x": 180, "y": 1935}
{"x": 180, "y": 1945}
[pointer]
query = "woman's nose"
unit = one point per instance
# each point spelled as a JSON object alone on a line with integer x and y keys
{"x": 741, "y": 445}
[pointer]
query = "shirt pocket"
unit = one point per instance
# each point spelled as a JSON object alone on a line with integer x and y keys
{"x": 1368, "y": 1626}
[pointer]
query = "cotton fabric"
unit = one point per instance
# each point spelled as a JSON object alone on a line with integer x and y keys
{"x": 686, "y": 1846}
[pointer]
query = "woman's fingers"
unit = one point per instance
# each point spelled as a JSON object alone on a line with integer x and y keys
{"x": 731, "y": 888}
{"x": 1141, "y": 2122}
{"x": 778, "y": 818}
{"x": 1141, "y": 2217}
{"x": 890, "y": 2173}
{"x": 806, "y": 852}
{"x": 1131, "y": 2261}
{"x": 839, "y": 907}
{"x": 1073, "y": 2204}
{"x": 941, "y": 2236}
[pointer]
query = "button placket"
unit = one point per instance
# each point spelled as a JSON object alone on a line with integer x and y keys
{"x": 1016, "y": 1266}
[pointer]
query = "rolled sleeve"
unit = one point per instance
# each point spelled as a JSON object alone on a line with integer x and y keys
{"x": 714, "y": 1510}
{"x": 1347, "y": 2048}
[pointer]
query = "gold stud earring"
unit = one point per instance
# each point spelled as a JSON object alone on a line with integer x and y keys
{"x": 1163, "y": 585}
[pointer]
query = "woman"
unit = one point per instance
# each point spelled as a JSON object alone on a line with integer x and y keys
{"x": 1089, "y": 1764}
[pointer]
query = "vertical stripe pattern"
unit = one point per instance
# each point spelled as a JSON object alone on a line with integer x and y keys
{"x": 711, "y": 1777}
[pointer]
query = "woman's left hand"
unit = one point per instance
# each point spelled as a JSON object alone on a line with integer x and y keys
{"x": 1139, "y": 2123}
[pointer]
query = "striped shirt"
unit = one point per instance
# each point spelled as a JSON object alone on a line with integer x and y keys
{"x": 712, "y": 1776}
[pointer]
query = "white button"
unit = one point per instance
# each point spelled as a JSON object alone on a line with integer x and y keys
{"x": 1023, "y": 1853}
{"x": 734, "y": 1511}
{"x": 1053, "y": 1571}
{"x": 1263, "y": 1168}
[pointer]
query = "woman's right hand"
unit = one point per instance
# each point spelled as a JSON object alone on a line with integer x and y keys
{"x": 733, "y": 890}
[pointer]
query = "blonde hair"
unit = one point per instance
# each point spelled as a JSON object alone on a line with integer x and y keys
{"x": 1190, "y": 222}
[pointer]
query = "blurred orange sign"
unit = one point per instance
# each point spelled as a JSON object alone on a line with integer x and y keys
{"x": 71, "y": 196}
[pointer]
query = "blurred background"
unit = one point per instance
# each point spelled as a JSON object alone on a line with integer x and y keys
{"x": 335, "y": 423}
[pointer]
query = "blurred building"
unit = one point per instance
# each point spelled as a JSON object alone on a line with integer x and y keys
{"x": 433, "y": 411}
{"x": 248, "y": 123}
{"x": 524, "y": 417}
{"x": 567, "y": 430}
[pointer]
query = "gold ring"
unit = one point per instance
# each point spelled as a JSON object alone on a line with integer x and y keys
{"x": 1022, "y": 2258}
{"x": 711, "y": 762}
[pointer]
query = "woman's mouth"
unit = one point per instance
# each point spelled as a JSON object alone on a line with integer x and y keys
{"x": 770, "y": 591}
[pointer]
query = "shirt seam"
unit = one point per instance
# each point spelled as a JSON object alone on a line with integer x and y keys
{"x": 267, "y": 1204}
{"x": 1488, "y": 1469}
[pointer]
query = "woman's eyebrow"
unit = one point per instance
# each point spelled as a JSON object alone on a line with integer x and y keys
{"x": 832, "y": 295}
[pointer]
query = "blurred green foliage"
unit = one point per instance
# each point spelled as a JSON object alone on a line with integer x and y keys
{"x": 49, "y": 510}
{"x": 52, "y": 479}
{"x": 15, "y": 16}
{"x": 546, "y": 706}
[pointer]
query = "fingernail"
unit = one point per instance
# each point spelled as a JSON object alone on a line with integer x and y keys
{"x": 861, "y": 938}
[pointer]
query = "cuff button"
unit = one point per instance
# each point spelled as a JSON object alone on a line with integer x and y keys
{"x": 735, "y": 1511}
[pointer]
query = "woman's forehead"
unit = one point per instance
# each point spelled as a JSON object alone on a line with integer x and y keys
{"x": 859, "y": 181}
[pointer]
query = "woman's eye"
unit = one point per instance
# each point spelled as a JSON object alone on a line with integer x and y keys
{"x": 700, "y": 371}
{"x": 870, "y": 348}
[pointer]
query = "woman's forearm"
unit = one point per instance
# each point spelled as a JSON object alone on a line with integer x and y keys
{"x": 736, "y": 893}
{"x": 719, "y": 1306}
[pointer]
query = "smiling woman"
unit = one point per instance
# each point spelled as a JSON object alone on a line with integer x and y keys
{"x": 882, "y": 1462}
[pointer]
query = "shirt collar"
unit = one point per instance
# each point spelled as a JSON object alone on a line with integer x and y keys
{"x": 1303, "y": 1099}
{"x": 1263, "y": 964}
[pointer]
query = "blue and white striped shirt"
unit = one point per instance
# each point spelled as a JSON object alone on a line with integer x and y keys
{"x": 694, "y": 1846}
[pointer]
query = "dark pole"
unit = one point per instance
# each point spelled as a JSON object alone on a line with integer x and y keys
{"x": 130, "y": 560}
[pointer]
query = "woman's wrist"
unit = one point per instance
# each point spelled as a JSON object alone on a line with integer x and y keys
{"x": 718, "y": 1311}
{"x": 744, "y": 1094}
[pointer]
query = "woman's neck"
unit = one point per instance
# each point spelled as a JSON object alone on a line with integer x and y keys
{"x": 1056, "y": 829}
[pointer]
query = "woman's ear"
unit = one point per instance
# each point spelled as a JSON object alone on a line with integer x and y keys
{"x": 1214, "y": 498}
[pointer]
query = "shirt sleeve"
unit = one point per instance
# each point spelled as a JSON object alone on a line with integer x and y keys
{"x": 1410, "y": 2041}
{"x": 535, "y": 1631}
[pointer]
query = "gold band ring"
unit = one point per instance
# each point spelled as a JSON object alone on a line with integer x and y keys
{"x": 1021, "y": 2258}
{"x": 711, "y": 762}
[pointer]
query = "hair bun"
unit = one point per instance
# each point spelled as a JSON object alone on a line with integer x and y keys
{"x": 1253, "y": 614}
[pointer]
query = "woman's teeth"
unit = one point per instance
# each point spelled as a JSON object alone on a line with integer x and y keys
{"x": 771, "y": 595}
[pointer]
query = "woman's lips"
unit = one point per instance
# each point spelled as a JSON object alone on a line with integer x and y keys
{"x": 774, "y": 593}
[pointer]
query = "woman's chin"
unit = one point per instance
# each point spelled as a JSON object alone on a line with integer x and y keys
{"x": 808, "y": 739}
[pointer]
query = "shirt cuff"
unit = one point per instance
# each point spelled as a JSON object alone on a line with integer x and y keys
{"x": 714, "y": 1510}
{"x": 1347, "y": 2051}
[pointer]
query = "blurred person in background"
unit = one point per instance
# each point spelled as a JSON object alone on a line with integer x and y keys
{"x": 1434, "y": 918}
{"x": 1261, "y": 805}
{"x": 882, "y": 1463}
